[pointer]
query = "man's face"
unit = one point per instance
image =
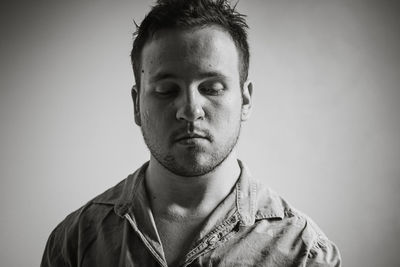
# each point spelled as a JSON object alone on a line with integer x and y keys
{"x": 190, "y": 105}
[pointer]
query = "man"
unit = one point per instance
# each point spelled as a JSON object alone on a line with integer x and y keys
{"x": 193, "y": 203}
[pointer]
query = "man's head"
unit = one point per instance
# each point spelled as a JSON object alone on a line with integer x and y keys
{"x": 192, "y": 98}
{"x": 189, "y": 14}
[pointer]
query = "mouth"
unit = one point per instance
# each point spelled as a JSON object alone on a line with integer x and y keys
{"x": 190, "y": 138}
{"x": 191, "y": 135}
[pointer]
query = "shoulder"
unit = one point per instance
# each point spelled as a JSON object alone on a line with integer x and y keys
{"x": 74, "y": 234}
{"x": 94, "y": 210}
{"x": 320, "y": 250}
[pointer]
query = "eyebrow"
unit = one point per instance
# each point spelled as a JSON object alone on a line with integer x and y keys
{"x": 167, "y": 75}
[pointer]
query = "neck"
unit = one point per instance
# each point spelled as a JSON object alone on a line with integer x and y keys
{"x": 181, "y": 196}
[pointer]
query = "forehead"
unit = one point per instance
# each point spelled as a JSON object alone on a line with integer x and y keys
{"x": 189, "y": 50}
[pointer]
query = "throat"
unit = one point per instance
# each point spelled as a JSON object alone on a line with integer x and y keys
{"x": 166, "y": 188}
{"x": 177, "y": 234}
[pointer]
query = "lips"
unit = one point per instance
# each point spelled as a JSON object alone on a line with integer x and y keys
{"x": 184, "y": 137}
{"x": 190, "y": 134}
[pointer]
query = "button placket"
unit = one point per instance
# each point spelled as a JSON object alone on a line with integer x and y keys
{"x": 213, "y": 240}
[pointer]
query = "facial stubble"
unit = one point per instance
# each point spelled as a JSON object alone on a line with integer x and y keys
{"x": 193, "y": 168}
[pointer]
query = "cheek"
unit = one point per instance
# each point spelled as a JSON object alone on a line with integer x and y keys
{"x": 154, "y": 115}
{"x": 229, "y": 111}
{"x": 145, "y": 114}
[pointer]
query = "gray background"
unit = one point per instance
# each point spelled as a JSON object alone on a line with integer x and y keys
{"x": 324, "y": 131}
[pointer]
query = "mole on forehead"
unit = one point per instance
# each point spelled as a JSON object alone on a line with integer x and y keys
{"x": 205, "y": 49}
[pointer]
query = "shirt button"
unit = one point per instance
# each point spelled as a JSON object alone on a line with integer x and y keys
{"x": 213, "y": 239}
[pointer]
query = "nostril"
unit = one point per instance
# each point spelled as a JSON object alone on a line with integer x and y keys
{"x": 190, "y": 113}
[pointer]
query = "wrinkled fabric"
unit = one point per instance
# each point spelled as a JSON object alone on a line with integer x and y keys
{"x": 253, "y": 226}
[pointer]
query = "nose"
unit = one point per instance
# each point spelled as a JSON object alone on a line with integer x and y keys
{"x": 190, "y": 107}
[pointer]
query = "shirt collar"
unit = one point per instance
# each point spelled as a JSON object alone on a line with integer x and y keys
{"x": 134, "y": 192}
{"x": 254, "y": 201}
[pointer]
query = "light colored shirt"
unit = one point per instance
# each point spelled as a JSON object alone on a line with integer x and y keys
{"x": 253, "y": 226}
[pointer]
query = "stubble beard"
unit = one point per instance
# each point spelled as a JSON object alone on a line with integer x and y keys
{"x": 192, "y": 167}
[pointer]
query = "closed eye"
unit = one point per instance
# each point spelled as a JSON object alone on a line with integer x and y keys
{"x": 212, "y": 88}
{"x": 166, "y": 89}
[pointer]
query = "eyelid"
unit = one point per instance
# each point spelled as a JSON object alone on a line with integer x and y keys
{"x": 166, "y": 86}
{"x": 214, "y": 85}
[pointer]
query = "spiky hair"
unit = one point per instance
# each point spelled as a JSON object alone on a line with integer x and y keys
{"x": 187, "y": 14}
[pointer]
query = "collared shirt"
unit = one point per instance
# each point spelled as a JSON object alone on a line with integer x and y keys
{"x": 253, "y": 226}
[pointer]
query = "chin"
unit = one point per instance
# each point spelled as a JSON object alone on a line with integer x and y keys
{"x": 190, "y": 165}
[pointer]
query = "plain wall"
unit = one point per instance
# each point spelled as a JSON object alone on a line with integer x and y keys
{"x": 324, "y": 131}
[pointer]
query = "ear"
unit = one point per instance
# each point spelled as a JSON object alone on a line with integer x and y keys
{"x": 247, "y": 92}
{"x": 136, "y": 107}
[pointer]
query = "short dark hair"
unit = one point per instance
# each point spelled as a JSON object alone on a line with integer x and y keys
{"x": 188, "y": 14}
